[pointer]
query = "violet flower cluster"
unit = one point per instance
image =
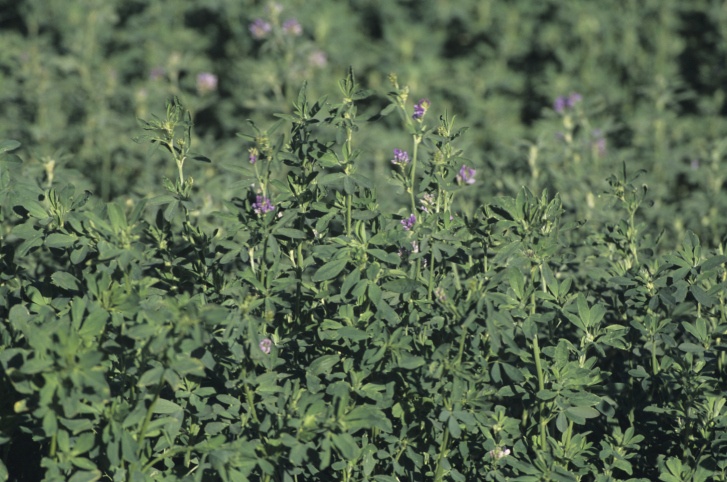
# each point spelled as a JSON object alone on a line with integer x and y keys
{"x": 466, "y": 175}
{"x": 292, "y": 27}
{"x": 401, "y": 158}
{"x": 254, "y": 155}
{"x": 206, "y": 82}
{"x": 420, "y": 108}
{"x": 599, "y": 142}
{"x": 262, "y": 205}
{"x": 565, "y": 102}
{"x": 409, "y": 222}
{"x": 259, "y": 29}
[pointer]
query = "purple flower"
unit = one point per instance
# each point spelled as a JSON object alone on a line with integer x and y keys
{"x": 292, "y": 27}
{"x": 260, "y": 29}
{"x": 254, "y": 154}
{"x": 401, "y": 158}
{"x": 206, "y": 82}
{"x": 156, "y": 73}
{"x": 318, "y": 58}
{"x": 265, "y": 345}
{"x": 466, "y": 175}
{"x": 574, "y": 98}
{"x": 599, "y": 144}
{"x": 262, "y": 205}
{"x": 409, "y": 222}
{"x": 694, "y": 164}
{"x": 420, "y": 108}
{"x": 563, "y": 103}
{"x": 559, "y": 105}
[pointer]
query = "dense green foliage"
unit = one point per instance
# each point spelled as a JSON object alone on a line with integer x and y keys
{"x": 298, "y": 274}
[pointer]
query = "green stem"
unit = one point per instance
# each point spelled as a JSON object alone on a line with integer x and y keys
{"x": 299, "y": 275}
{"x": 568, "y": 435}
{"x": 348, "y": 214}
{"x": 149, "y": 412}
{"x": 263, "y": 265}
{"x": 168, "y": 453}
{"x": 439, "y": 473}
{"x": 431, "y": 277}
{"x": 53, "y": 444}
{"x": 541, "y": 386}
{"x": 251, "y": 402}
{"x": 412, "y": 193}
{"x": 461, "y": 344}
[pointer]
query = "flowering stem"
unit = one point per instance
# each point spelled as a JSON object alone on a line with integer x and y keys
{"x": 417, "y": 140}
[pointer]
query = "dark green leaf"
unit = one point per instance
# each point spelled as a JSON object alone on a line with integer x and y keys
{"x": 330, "y": 270}
{"x": 401, "y": 285}
{"x": 65, "y": 280}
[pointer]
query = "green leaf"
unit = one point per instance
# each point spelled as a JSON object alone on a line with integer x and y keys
{"x": 366, "y": 417}
{"x": 290, "y": 233}
{"x": 161, "y": 199}
{"x": 188, "y": 366}
{"x": 34, "y": 208}
{"x": 151, "y": 377}
{"x": 85, "y": 475}
{"x": 36, "y": 365}
{"x": 65, "y": 280}
{"x": 330, "y": 270}
{"x": 691, "y": 348}
{"x": 584, "y": 313}
{"x": 713, "y": 262}
{"x": 171, "y": 210}
{"x": 352, "y": 333}
{"x": 401, "y": 285}
{"x": 351, "y": 279}
{"x": 454, "y": 428}
{"x": 323, "y": 364}
{"x": 702, "y": 296}
{"x": 639, "y": 372}
{"x": 8, "y": 145}
{"x": 116, "y": 217}
{"x": 382, "y": 255}
{"x": 166, "y": 407}
{"x": 346, "y": 445}
{"x": 579, "y": 414}
{"x": 550, "y": 280}
{"x": 331, "y": 178}
{"x": 410, "y": 362}
{"x": 546, "y": 394}
{"x": 84, "y": 443}
{"x": 59, "y": 240}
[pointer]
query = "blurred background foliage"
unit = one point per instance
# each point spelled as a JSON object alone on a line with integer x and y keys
{"x": 75, "y": 75}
